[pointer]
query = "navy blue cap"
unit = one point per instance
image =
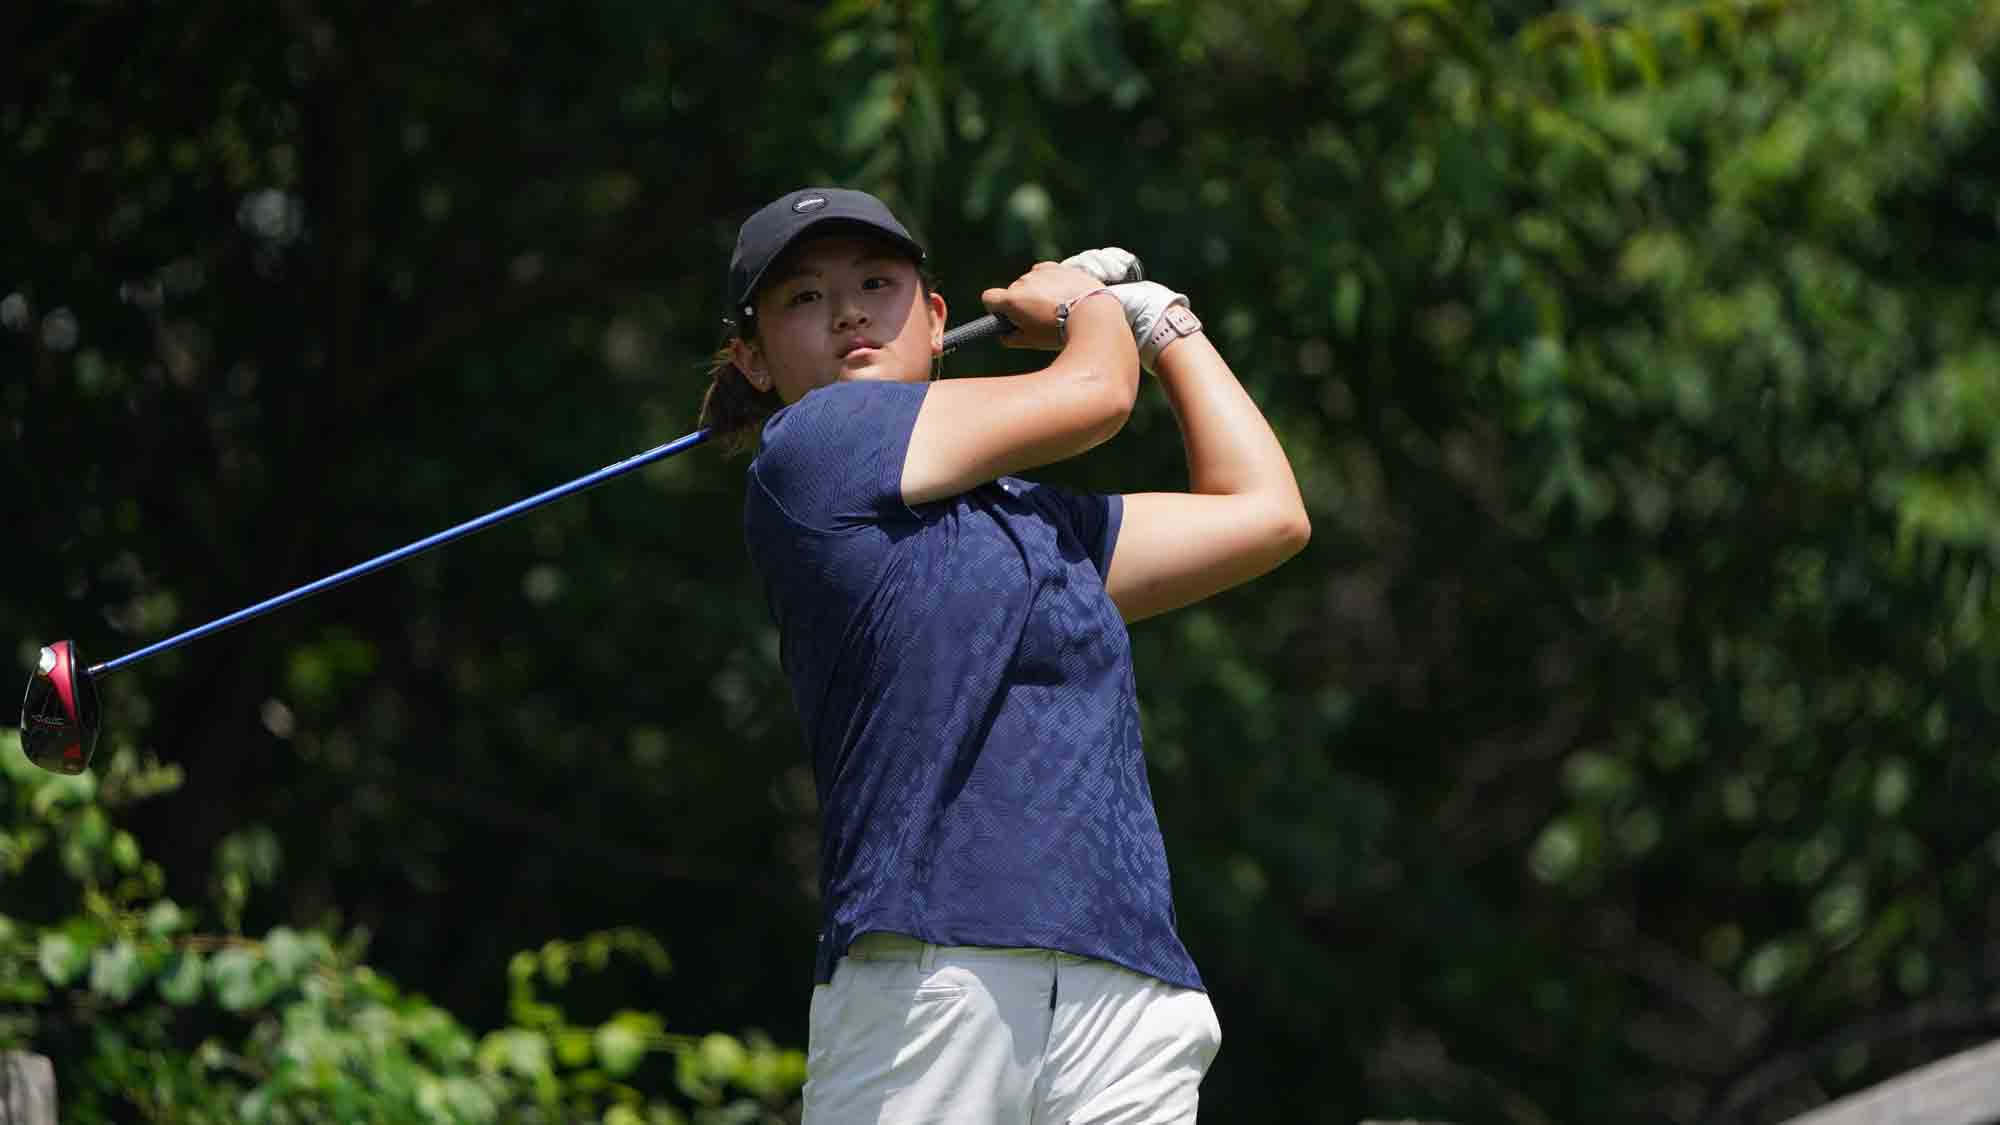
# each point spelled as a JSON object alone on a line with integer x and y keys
{"x": 772, "y": 230}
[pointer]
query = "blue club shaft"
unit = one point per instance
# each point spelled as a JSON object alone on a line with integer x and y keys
{"x": 964, "y": 333}
{"x": 499, "y": 515}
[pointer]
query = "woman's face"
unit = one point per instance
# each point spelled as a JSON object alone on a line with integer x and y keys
{"x": 841, "y": 307}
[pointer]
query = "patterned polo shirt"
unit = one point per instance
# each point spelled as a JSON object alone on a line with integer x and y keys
{"x": 965, "y": 689}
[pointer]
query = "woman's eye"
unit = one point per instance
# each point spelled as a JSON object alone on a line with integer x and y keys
{"x": 878, "y": 283}
{"x": 803, "y": 297}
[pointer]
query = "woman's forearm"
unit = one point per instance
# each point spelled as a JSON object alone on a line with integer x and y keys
{"x": 1242, "y": 514}
{"x": 1231, "y": 450}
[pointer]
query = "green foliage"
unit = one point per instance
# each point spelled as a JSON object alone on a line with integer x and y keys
{"x": 1616, "y": 751}
{"x": 293, "y": 1026}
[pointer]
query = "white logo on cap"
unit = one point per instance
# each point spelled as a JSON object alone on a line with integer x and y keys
{"x": 809, "y": 203}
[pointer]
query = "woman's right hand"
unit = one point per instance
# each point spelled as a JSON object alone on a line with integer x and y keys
{"x": 1031, "y": 303}
{"x": 972, "y": 430}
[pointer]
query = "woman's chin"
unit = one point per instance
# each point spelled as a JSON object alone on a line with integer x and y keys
{"x": 872, "y": 373}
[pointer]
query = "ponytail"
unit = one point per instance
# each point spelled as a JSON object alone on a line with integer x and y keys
{"x": 732, "y": 409}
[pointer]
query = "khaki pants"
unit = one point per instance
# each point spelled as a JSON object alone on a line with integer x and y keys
{"x": 911, "y": 1033}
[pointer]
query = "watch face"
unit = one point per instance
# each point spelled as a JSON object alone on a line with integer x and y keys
{"x": 1183, "y": 319}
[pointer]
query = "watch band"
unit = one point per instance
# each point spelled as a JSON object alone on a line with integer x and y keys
{"x": 1177, "y": 321}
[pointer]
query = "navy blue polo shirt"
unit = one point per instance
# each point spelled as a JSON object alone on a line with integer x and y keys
{"x": 965, "y": 688}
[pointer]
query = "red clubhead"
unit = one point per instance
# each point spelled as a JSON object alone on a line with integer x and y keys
{"x": 59, "y": 714}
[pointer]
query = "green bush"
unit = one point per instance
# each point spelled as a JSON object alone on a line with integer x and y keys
{"x": 146, "y": 1014}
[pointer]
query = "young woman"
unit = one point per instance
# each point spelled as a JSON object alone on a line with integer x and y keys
{"x": 999, "y": 940}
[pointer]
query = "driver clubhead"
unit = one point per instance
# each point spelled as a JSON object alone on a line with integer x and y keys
{"x": 59, "y": 714}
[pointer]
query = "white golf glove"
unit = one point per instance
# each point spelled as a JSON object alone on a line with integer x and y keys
{"x": 1145, "y": 302}
{"x": 1158, "y": 317}
{"x": 1108, "y": 264}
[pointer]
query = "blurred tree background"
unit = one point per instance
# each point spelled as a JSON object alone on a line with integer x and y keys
{"x": 1613, "y": 753}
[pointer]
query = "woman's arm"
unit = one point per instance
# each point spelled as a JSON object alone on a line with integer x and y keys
{"x": 1242, "y": 515}
{"x": 971, "y": 431}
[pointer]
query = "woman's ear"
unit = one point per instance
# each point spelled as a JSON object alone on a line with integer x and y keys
{"x": 749, "y": 359}
{"x": 938, "y": 309}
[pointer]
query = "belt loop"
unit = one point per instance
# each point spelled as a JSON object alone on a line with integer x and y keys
{"x": 929, "y": 959}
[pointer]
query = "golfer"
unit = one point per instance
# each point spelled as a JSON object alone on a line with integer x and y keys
{"x": 998, "y": 943}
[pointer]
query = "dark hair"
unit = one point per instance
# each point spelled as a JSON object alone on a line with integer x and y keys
{"x": 731, "y": 408}
{"x": 734, "y": 410}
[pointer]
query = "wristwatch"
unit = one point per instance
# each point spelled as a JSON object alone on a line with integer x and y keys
{"x": 1177, "y": 321}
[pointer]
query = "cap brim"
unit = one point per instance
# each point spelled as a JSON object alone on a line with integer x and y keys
{"x": 824, "y": 225}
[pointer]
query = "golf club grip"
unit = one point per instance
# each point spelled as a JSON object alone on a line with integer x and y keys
{"x": 992, "y": 324}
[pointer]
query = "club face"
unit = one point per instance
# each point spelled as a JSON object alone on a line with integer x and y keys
{"x": 59, "y": 713}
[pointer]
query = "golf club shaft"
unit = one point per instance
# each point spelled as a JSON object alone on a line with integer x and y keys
{"x": 499, "y": 515}
{"x": 978, "y": 329}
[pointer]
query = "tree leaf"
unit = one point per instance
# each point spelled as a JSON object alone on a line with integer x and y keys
{"x": 61, "y": 957}
{"x": 181, "y": 983}
{"x": 116, "y": 971}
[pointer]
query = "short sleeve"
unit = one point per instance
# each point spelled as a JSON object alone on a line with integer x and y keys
{"x": 1092, "y": 517}
{"x": 834, "y": 458}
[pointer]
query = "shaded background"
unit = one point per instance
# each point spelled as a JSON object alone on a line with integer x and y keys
{"x": 1618, "y": 750}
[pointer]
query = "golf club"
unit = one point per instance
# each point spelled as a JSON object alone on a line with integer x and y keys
{"x": 59, "y": 714}
{"x": 1111, "y": 265}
